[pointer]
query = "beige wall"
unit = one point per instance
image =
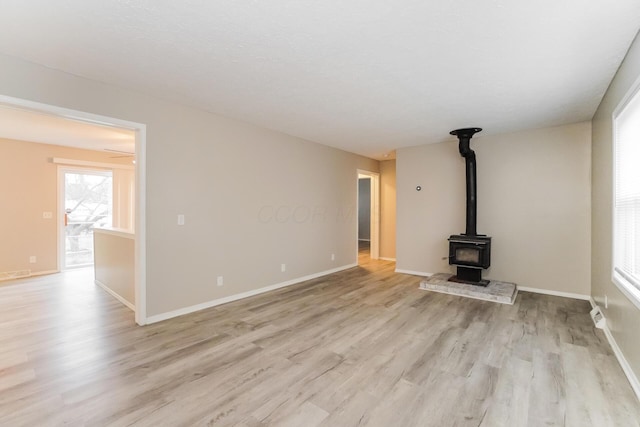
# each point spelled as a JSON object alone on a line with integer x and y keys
{"x": 388, "y": 209}
{"x": 114, "y": 262}
{"x": 253, "y": 199}
{"x": 533, "y": 200}
{"x": 29, "y": 187}
{"x": 622, "y": 316}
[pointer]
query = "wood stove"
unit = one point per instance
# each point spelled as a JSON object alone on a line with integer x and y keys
{"x": 470, "y": 252}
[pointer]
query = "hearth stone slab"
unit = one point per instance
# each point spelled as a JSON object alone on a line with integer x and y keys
{"x": 501, "y": 292}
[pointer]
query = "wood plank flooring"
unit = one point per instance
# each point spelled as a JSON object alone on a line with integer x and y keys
{"x": 360, "y": 347}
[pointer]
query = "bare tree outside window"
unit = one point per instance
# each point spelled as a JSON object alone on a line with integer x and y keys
{"x": 88, "y": 203}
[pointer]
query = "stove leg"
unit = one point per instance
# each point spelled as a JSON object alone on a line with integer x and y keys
{"x": 469, "y": 274}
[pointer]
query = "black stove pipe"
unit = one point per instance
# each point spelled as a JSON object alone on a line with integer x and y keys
{"x": 464, "y": 136}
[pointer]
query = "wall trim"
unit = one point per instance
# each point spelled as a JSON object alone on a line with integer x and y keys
{"x": 31, "y": 274}
{"x": 520, "y": 288}
{"x": 627, "y": 288}
{"x": 554, "y": 293}
{"x": 103, "y": 165}
{"x": 186, "y": 310}
{"x": 414, "y": 273}
{"x": 119, "y": 232}
{"x": 387, "y": 259}
{"x": 374, "y": 249}
{"x": 624, "y": 364}
{"x": 115, "y": 295}
{"x": 44, "y": 273}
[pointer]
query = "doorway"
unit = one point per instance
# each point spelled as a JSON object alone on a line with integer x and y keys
{"x": 368, "y": 202}
{"x": 139, "y": 192}
{"x": 87, "y": 202}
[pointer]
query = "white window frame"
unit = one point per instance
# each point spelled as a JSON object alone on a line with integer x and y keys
{"x": 628, "y": 288}
{"x": 62, "y": 170}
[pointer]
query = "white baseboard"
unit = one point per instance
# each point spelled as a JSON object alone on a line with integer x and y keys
{"x": 554, "y": 293}
{"x": 186, "y": 310}
{"x": 520, "y": 288}
{"x": 414, "y": 273}
{"x": 26, "y": 276}
{"x": 626, "y": 368}
{"x": 44, "y": 273}
{"x": 115, "y": 295}
{"x": 387, "y": 259}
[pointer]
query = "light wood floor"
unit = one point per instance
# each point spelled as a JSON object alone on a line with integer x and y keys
{"x": 360, "y": 347}
{"x": 364, "y": 250}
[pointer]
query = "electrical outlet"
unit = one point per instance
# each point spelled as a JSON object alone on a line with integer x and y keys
{"x": 181, "y": 219}
{"x": 333, "y": 257}
{"x": 283, "y": 267}
{"x": 32, "y": 259}
{"x": 606, "y": 301}
{"x": 47, "y": 215}
{"x": 220, "y": 281}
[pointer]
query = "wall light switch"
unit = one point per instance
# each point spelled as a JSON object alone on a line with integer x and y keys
{"x": 181, "y": 219}
{"x": 47, "y": 215}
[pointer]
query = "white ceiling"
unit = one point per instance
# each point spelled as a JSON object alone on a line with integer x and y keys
{"x": 32, "y": 126}
{"x": 366, "y": 76}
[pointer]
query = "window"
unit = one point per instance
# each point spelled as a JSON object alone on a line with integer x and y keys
{"x": 88, "y": 199}
{"x": 626, "y": 196}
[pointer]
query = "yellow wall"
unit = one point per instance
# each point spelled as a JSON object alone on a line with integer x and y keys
{"x": 29, "y": 187}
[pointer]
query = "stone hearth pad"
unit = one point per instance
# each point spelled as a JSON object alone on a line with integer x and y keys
{"x": 496, "y": 291}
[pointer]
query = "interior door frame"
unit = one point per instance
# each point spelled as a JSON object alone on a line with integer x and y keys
{"x": 375, "y": 211}
{"x": 140, "y": 220}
